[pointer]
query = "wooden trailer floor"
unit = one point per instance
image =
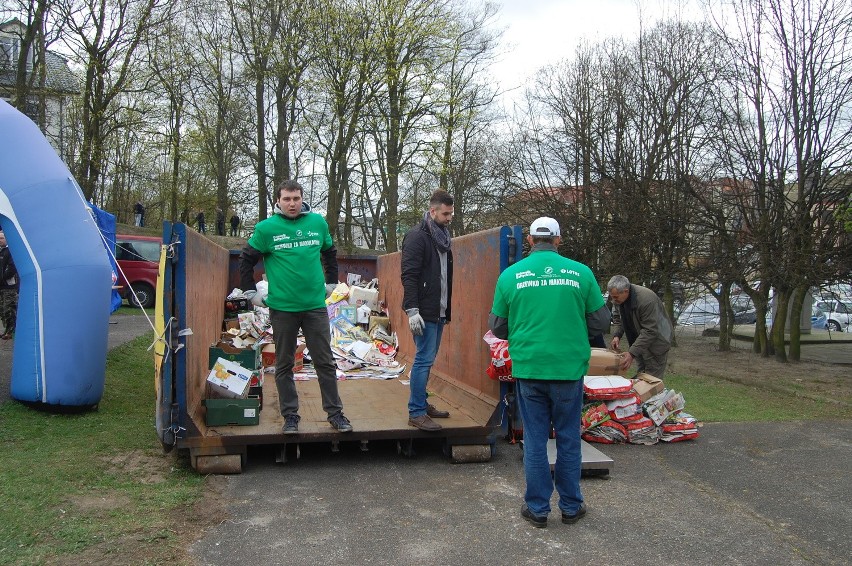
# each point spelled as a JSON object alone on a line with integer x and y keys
{"x": 377, "y": 409}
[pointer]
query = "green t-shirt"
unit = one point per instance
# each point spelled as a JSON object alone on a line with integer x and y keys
{"x": 545, "y": 298}
{"x": 291, "y": 255}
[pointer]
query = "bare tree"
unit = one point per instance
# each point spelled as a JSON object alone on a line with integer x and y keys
{"x": 105, "y": 36}
{"x": 787, "y": 136}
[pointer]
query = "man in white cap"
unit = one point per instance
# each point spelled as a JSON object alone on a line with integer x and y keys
{"x": 547, "y": 306}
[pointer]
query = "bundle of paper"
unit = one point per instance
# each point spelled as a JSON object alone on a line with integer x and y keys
{"x": 625, "y": 408}
{"x": 593, "y": 414}
{"x": 609, "y": 432}
{"x": 606, "y": 387}
{"x": 663, "y": 404}
{"x": 677, "y": 427}
{"x": 642, "y": 431}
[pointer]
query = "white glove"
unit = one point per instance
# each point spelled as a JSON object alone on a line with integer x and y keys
{"x": 415, "y": 321}
{"x": 329, "y": 289}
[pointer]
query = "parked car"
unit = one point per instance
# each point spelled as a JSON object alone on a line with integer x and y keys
{"x": 702, "y": 311}
{"x": 705, "y": 311}
{"x": 138, "y": 261}
{"x": 819, "y": 321}
{"x": 838, "y": 313}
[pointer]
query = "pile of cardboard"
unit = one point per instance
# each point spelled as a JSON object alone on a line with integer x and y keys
{"x": 637, "y": 411}
{"x": 362, "y": 342}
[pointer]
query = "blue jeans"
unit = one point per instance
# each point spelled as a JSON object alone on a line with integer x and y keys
{"x": 556, "y": 403}
{"x": 427, "y": 348}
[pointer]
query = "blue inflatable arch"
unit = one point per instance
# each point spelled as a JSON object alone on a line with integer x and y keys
{"x": 65, "y": 276}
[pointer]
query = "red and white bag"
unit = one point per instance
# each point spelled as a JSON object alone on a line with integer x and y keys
{"x": 606, "y": 387}
{"x": 500, "y": 368}
{"x": 626, "y": 408}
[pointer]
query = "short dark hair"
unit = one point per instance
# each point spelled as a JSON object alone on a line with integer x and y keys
{"x": 289, "y": 185}
{"x": 441, "y": 197}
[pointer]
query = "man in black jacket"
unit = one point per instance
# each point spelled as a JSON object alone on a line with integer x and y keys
{"x": 427, "y": 282}
{"x": 8, "y": 290}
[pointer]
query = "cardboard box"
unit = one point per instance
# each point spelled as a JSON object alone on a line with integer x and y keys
{"x": 246, "y": 357}
{"x": 268, "y": 356}
{"x": 299, "y": 361}
{"x": 361, "y": 296}
{"x": 241, "y": 412}
{"x": 605, "y": 362}
{"x": 228, "y": 379}
{"x": 646, "y": 386}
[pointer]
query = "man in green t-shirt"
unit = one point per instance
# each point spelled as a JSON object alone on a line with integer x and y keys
{"x": 292, "y": 243}
{"x": 547, "y": 306}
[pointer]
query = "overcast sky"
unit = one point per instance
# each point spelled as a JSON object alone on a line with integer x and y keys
{"x": 541, "y": 32}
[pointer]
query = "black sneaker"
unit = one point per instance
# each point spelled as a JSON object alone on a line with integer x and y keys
{"x": 571, "y": 519}
{"x": 291, "y": 424}
{"x": 535, "y": 521}
{"x": 340, "y": 423}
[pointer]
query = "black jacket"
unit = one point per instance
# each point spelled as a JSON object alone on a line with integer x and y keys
{"x": 8, "y": 271}
{"x": 421, "y": 274}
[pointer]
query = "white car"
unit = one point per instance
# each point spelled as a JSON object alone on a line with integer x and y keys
{"x": 838, "y": 313}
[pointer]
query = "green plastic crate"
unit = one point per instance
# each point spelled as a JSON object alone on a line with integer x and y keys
{"x": 249, "y": 358}
{"x": 221, "y": 412}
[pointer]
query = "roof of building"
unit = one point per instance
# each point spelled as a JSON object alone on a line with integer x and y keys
{"x": 59, "y": 78}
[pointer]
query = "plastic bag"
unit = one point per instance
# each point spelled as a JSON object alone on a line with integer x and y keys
{"x": 500, "y": 368}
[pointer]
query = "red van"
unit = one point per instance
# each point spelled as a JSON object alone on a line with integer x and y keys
{"x": 138, "y": 259}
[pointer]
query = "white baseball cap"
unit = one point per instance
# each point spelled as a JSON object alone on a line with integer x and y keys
{"x": 544, "y": 226}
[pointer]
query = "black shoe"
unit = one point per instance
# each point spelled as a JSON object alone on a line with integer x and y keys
{"x": 340, "y": 423}
{"x": 436, "y": 413}
{"x": 291, "y": 424}
{"x": 571, "y": 519}
{"x": 537, "y": 522}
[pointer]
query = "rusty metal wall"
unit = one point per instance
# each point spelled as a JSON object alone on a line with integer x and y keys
{"x": 204, "y": 283}
{"x": 463, "y": 355}
{"x": 365, "y": 266}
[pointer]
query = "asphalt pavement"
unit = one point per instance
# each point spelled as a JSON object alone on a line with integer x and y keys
{"x": 742, "y": 493}
{"x": 766, "y": 493}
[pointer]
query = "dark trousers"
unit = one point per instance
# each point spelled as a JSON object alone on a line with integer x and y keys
{"x": 285, "y": 329}
{"x": 9, "y": 309}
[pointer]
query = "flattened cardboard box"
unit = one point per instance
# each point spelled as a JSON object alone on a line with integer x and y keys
{"x": 605, "y": 362}
{"x": 646, "y": 386}
{"x": 228, "y": 379}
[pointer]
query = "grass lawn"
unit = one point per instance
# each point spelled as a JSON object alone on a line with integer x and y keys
{"x": 71, "y": 485}
{"x": 712, "y": 399}
{"x": 95, "y": 487}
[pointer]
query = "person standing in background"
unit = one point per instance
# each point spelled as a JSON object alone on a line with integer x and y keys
{"x": 235, "y": 223}
{"x": 220, "y": 222}
{"x": 427, "y": 282}
{"x": 202, "y": 229}
{"x": 9, "y": 285}
{"x": 139, "y": 214}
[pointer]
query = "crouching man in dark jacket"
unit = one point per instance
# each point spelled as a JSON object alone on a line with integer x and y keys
{"x": 640, "y": 314}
